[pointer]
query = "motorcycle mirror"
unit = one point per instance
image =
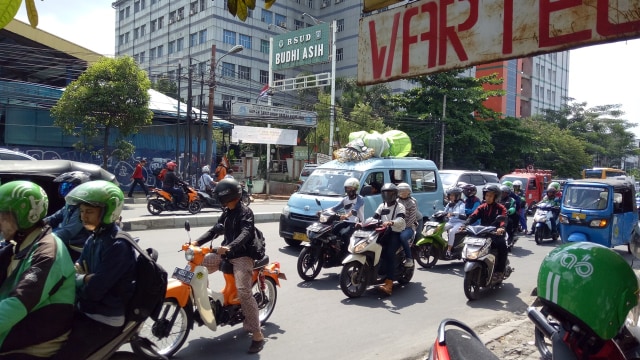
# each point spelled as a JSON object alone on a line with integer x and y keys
{"x": 318, "y": 202}
{"x": 187, "y": 226}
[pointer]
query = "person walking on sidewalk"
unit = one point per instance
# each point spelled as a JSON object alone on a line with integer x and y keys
{"x": 138, "y": 178}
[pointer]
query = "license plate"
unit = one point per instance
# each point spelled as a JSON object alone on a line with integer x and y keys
{"x": 474, "y": 241}
{"x": 183, "y": 275}
{"x": 315, "y": 227}
{"x": 300, "y": 236}
{"x": 432, "y": 223}
{"x": 579, "y": 216}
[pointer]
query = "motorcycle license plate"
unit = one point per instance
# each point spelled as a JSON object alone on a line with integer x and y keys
{"x": 183, "y": 275}
{"x": 432, "y": 223}
{"x": 300, "y": 236}
{"x": 315, "y": 227}
{"x": 474, "y": 241}
{"x": 579, "y": 216}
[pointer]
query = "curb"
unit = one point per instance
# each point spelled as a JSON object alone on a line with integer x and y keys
{"x": 501, "y": 330}
{"x": 175, "y": 222}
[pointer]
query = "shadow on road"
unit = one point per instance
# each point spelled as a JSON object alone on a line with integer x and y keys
{"x": 403, "y": 296}
{"x": 503, "y": 298}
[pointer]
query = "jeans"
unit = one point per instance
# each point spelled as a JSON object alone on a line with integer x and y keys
{"x": 142, "y": 185}
{"x": 176, "y": 193}
{"x": 86, "y": 337}
{"x": 389, "y": 254}
{"x": 406, "y": 235}
{"x": 500, "y": 243}
{"x": 523, "y": 219}
{"x": 452, "y": 228}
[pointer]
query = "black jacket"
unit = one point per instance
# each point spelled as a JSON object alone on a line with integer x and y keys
{"x": 487, "y": 215}
{"x": 239, "y": 230}
{"x": 171, "y": 180}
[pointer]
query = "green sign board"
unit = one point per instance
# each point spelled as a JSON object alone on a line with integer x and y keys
{"x": 301, "y": 47}
{"x": 300, "y": 153}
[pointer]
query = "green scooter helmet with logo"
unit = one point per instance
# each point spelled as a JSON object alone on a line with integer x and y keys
{"x": 26, "y": 200}
{"x": 588, "y": 285}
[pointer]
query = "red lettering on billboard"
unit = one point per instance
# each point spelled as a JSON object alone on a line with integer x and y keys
{"x": 605, "y": 28}
{"x": 431, "y": 36}
{"x": 377, "y": 55}
{"x": 546, "y": 39}
{"x": 448, "y": 32}
{"x": 407, "y": 38}
{"x": 392, "y": 49}
{"x": 507, "y": 28}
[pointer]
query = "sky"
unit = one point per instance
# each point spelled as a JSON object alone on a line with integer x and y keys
{"x": 598, "y": 75}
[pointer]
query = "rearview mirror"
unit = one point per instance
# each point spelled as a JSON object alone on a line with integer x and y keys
{"x": 318, "y": 202}
{"x": 187, "y": 226}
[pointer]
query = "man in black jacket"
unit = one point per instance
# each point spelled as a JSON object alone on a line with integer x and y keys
{"x": 237, "y": 225}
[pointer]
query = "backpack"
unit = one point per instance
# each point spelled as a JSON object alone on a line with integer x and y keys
{"x": 150, "y": 283}
{"x": 258, "y": 246}
{"x": 161, "y": 174}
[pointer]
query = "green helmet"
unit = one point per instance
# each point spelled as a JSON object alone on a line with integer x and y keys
{"x": 554, "y": 185}
{"x": 99, "y": 193}
{"x": 508, "y": 183}
{"x": 26, "y": 200}
{"x": 592, "y": 283}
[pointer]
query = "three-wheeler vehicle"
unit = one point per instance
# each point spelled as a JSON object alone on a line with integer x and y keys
{"x": 601, "y": 211}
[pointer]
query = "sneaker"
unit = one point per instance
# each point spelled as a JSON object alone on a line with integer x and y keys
{"x": 447, "y": 255}
{"x": 497, "y": 276}
{"x": 408, "y": 263}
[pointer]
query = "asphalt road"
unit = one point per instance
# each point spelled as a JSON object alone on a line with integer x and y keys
{"x": 314, "y": 320}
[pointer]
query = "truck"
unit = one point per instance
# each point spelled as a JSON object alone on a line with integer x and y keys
{"x": 534, "y": 183}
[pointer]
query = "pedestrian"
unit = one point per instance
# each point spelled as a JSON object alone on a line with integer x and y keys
{"x": 138, "y": 178}
{"x": 237, "y": 225}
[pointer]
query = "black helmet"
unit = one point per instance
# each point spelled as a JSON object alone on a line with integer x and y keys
{"x": 455, "y": 191}
{"x": 389, "y": 193}
{"x": 227, "y": 190}
{"x": 69, "y": 180}
{"x": 469, "y": 190}
{"x": 494, "y": 189}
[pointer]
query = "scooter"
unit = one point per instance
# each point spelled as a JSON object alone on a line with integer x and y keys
{"x": 208, "y": 200}
{"x": 246, "y": 196}
{"x": 434, "y": 242}
{"x": 189, "y": 300}
{"x": 458, "y": 343}
{"x": 480, "y": 261}
{"x": 362, "y": 267}
{"x": 542, "y": 220}
{"x": 325, "y": 248}
{"x": 163, "y": 201}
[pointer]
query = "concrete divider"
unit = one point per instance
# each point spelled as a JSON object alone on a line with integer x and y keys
{"x": 174, "y": 222}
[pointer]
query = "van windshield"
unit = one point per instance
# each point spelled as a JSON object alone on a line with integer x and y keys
{"x": 328, "y": 182}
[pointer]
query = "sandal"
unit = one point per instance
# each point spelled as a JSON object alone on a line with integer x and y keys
{"x": 256, "y": 346}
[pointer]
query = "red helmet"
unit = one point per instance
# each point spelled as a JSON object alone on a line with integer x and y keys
{"x": 171, "y": 165}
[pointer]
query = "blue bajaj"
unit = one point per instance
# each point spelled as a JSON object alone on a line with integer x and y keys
{"x": 601, "y": 211}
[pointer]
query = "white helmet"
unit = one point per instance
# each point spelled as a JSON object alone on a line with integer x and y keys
{"x": 352, "y": 182}
{"x": 517, "y": 183}
{"x": 205, "y": 169}
{"x": 404, "y": 190}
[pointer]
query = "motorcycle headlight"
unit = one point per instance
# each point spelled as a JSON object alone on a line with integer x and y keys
{"x": 563, "y": 219}
{"x": 430, "y": 232}
{"x": 285, "y": 210}
{"x": 189, "y": 254}
{"x": 475, "y": 252}
{"x": 361, "y": 245}
{"x": 324, "y": 218}
{"x": 599, "y": 223}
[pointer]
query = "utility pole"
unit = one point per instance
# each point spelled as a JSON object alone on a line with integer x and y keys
{"x": 444, "y": 110}
{"x": 178, "y": 117}
{"x": 200, "y": 106}
{"x": 189, "y": 109}
{"x": 212, "y": 85}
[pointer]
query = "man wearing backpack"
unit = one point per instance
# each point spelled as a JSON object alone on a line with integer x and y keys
{"x": 105, "y": 271}
{"x": 237, "y": 225}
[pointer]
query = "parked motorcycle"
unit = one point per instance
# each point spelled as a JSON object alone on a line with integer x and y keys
{"x": 207, "y": 199}
{"x": 189, "y": 300}
{"x": 324, "y": 248}
{"x": 163, "y": 201}
{"x": 432, "y": 246}
{"x": 362, "y": 267}
{"x": 542, "y": 221}
{"x": 480, "y": 261}
{"x": 246, "y": 196}
{"x": 458, "y": 343}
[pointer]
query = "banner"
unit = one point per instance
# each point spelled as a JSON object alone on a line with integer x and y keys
{"x": 262, "y": 135}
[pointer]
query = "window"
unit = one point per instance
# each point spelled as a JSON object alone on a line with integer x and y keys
{"x": 266, "y": 16}
{"x": 542, "y": 71}
{"x": 548, "y": 94}
{"x": 193, "y": 8}
{"x": 278, "y": 76}
{"x": 202, "y": 68}
{"x": 180, "y": 13}
{"x": 203, "y": 5}
{"x": 136, "y": 33}
{"x": 152, "y": 54}
{"x": 126, "y": 37}
{"x": 553, "y": 78}
{"x": 171, "y": 75}
{"x": 121, "y": 15}
{"x": 324, "y": 4}
{"x": 228, "y": 70}
{"x": 226, "y": 102}
{"x": 297, "y": 24}
{"x": 143, "y": 4}
{"x": 172, "y": 17}
{"x": 136, "y": 57}
{"x": 553, "y": 97}
{"x": 550, "y": 72}
{"x": 193, "y": 40}
{"x": 538, "y": 70}
{"x": 160, "y": 52}
{"x": 339, "y": 54}
{"x": 171, "y": 47}
{"x": 153, "y": 2}
{"x": 136, "y": 7}
{"x": 264, "y": 46}
{"x": 281, "y": 20}
{"x": 245, "y": 40}
{"x": 373, "y": 182}
{"x": 338, "y": 1}
{"x": 127, "y": 11}
{"x": 537, "y": 91}
{"x": 143, "y": 30}
{"x": 244, "y": 72}
{"x": 160, "y": 21}
{"x": 154, "y": 25}
{"x": 203, "y": 36}
{"x": 229, "y": 37}
{"x": 245, "y": 100}
{"x": 264, "y": 77}
{"x": 250, "y": 13}
{"x": 142, "y": 57}
{"x": 180, "y": 44}
{"x": 310, "y": 4}
{"x": 340, "y": 25}
{"x": 423, "y": 180}
{"x": 121, "y": 39}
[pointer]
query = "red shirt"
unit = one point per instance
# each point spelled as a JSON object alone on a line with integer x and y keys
{"x": 137, "y": 173}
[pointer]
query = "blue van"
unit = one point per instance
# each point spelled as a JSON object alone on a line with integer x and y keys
{"x": 326, "y": 184}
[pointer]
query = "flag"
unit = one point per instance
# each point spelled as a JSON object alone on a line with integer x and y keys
{"x": 264, "y": 92}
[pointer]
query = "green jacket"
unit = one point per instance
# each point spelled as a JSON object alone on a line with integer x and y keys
{"x": 38, "y": 295}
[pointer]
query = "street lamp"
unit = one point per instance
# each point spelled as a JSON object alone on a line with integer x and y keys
{"x": 212, "y": 85}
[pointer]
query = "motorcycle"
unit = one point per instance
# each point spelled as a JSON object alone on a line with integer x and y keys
{"x": 207, "y": 199}
{"x": 459, "y": 343}
{"x": 246, "y": 196}
{"x": 163, "y": 201}
{"x": 542, "y": 220}
{"x": 324, "y": 249}
{"x": 189, "y": 300}
{"x": 362, "y": 266}
{"x": 433, "y": 244}
{"x": 480, "y": 261}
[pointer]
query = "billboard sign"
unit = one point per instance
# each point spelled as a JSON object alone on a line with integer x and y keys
{"x": 428, "y": 36}
{"x": 263, "y": 135}
{"x": 274, "y": 114}
{"x": 302, "y": 47}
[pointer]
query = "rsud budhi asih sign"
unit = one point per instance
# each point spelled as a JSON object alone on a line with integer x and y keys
{"x": 302, "y": 47}
{"x": 428, "y": 36}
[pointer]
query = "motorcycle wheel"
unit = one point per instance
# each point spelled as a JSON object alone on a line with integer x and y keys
{"x": 538, "y": 236}
{"x": 266, "y": 299}
{"x": 246, "y": 200}
{"x": 309, "y": 263}
{"x": 554, "y": 237}
{"x": 426, "y": 255}
{"x": 155, "y": 207}
{"x": 293, "y": 243}
{"x": 166, "y": 334}
{"x": 353, "y": 279}
{"x": 471, "y": 288}
{"x": 195, "y": 207}
{"x": 406, "y": 275}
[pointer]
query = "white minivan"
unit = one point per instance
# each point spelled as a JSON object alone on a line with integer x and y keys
{"x": 326, "y": 184}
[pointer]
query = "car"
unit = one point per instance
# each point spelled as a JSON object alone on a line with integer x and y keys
{"x": 476, "y": 177}
{"x": 6, "y": 154}
{"x": 306, "y": 171}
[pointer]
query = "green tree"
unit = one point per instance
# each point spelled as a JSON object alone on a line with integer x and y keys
{"x": 165, "y": 86}
{"x": 109, "y": 100}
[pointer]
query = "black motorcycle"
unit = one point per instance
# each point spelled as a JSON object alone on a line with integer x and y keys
{"x": 326, "y": 246}
{"x": 208, "y": 199}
